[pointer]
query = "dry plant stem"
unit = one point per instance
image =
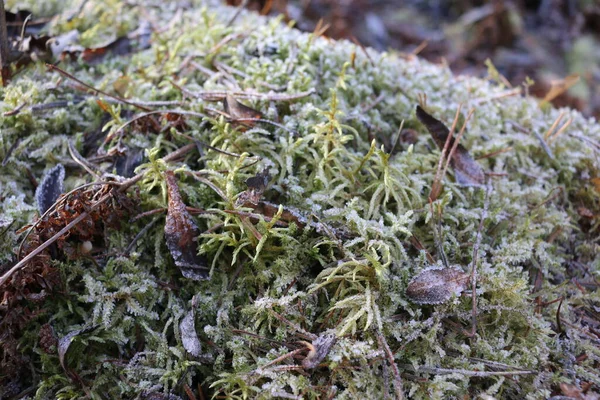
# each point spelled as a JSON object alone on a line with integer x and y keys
{"x": 397, "y": 137}
{"x": 390, "y": 356}
{"x": 457, "y": 141}
{"x": 97, "y": 91}
{"x": 82, "y": 161}
{"x": 140, "y": 234}
{"x": 364, "y": 50}
{"x": 495, "y": 153}
{"x": 437, "y": 181}
{"x": 283, "y": 357}
{"x": 480, "y": 374}
{"x": 544, "y": 145}
{"x": 560, "y": 131}
{"x": 220, "y": 95}
{"x": 553, "y": 126}
{"x": 266, "y": 121}
{"x": 486, "y": 204}
{"x": 138, "y": 117}
{"x": 294, "y": 326}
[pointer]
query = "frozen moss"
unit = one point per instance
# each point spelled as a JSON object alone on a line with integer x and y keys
{"x": 366, "y": 226}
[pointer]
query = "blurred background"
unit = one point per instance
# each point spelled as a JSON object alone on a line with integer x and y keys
{"x": 549, "y": 47}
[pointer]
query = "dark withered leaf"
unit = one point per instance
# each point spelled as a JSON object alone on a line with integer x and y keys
{"x": 466, "y": 170}
{"x": 237, "y": 110}
{"x": 51, "y": 186}
{"x": 189, "y": 337}
{"x": 259, "y": 182}
{"x": 437, "y": 285}
{"x": 126, "y": 164}
{"x": 181, "y": 233}
{"x": 65, "y": 342}
{"x": 319, "y": 349}
{"x": 256, "y": 187}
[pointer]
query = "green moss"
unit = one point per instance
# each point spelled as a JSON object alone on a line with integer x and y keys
{"x": 273, "y": 286}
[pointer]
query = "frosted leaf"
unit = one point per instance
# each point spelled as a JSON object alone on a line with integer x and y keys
{"x": 189, "y": 337}
{"x": 319, "y": 349}
{"x": 181, "y": 233}
{"x": 65, "y": 342}
{"x": 51, "y": 186}
{"x": 466, "y": 170}
{"x": 436, "y": 285}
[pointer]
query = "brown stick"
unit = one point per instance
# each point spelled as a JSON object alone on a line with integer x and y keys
{"x": 390, "y": 356}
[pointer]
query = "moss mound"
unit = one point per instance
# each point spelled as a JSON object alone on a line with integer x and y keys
{"x": 307, "y": 291}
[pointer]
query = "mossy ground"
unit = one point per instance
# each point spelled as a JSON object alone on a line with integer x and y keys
{"x": 274, "y": 286}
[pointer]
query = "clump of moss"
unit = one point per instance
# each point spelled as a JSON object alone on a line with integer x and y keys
{"x": 277, "y": 284}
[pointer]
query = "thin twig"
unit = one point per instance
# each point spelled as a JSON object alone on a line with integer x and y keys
{"x": 140, "y": 234}
{"x": 465, "y": 372}
{"x": 397, "y": 137}
{"x": 456, "y": 142}
{"x": 97, "y": 91}
{"x": 138, "y": 117}
{"x": 237, "y": 13}
{"x": 435, "y": 187}
{"x": 486, "y": 204}
{"x": 390, "y": 357}
{"x": 85, "y": 164}
{"x": 220, "y": 95}
{"x": 296, "y": 327}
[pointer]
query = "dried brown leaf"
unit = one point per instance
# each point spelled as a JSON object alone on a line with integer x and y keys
{"x": 181, "y": 233}
{"x": 437, "y": 285}
{"x": 239, "y": 111}
{"x": 466, "y": 170}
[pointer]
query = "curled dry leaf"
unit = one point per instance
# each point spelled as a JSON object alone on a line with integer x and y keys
{"x": 239, "y": 111}
{"x": 437, "y": 285}
{"x": 319, "y": 349}
{"x": 466, "y": 170}
{"x": 50, "y": 188}
{"x": 65, "y": 342}
{"x": 181, "y": 233}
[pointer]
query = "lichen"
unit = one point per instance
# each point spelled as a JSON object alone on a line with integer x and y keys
{"x": 363, "y": 226}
